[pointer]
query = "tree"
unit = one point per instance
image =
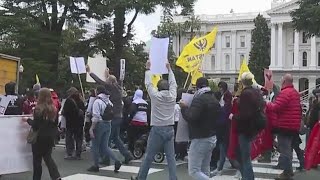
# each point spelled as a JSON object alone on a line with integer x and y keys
{"x": 260, "y": 52}
{"x": 122, "y": 32}
{"x": 307, "y": 17}
{"x": 36, "y": 26}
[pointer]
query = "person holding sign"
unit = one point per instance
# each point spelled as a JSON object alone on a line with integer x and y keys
{"x": 115, "y": 91}
{"x": 163, "y": 101}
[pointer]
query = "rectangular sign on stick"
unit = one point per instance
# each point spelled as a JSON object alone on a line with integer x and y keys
{"x": 122, "y": 69}
{"x": 77, "y": 65}
{"x": 159, "y": 55}
{"x": 98, "y": 65}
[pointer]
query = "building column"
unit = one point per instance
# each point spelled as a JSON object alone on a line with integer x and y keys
{"x": 248, "y": 44}
{"x": 280, "y": 46}
{"x": 233, "y": 58}
{"x": 273, "y": 46}
{"x": 312, "y": 83}
{"x": 219, "y": 50}
{"x": 313, "y": 52}
{"x": 296, "y": 50}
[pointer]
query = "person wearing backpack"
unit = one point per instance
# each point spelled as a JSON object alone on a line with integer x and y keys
{"x": 287, "y": 125}
{"x": 201, "y": 117}
{"x": 249, "y": 123}
{"x": 102, "y": 115}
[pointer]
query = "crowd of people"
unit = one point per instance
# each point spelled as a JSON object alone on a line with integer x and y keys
{"x": 221, "y": 125}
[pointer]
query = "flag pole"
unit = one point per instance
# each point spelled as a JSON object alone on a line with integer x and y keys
{"x": 185, "y": 84}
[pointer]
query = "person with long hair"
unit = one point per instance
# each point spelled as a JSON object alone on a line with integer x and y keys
{"x": 44, "y": 123}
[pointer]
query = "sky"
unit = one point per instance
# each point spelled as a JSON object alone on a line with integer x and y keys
{"x": 145, "y": 24}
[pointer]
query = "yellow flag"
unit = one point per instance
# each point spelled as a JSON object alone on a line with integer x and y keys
{"x": 155, "y": 79}
{"x": 194, "y": 52}
{"x": 244, "y": 68}
{"x": 37, "y": 79}
{"x": 195, "y": 75}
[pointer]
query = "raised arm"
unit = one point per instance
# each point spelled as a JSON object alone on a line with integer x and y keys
{"x": 172, "y": 82}
{"x": 152, "y": 91}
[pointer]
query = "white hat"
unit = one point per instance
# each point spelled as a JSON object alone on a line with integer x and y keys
{"x": 247, "y": 76}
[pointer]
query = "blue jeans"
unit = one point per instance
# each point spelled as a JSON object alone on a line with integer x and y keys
{"x": 223, "y": 155}
{"x": 285, "y": 149}
{"x": 245, "y": 157}
{"x": 99, "y": 143}
{"x": 115, "y": 137}
{"x": 159, "y": 138}
{"x": 200, "y": 156}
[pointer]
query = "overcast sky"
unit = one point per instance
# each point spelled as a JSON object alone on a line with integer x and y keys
{"x": 145, "y": 24}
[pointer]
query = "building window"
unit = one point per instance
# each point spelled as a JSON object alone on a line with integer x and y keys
{"x": 304, "y": 59}
{"x": 227, "y": 62}
{"x": 318, "y": 58}
{"x": 213, "y": 62}
{"x": 304, "y": 37}
{"x": 227, "y": 41}
{"x": 242, "y": 41}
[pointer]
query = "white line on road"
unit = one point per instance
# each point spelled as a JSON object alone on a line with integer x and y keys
{"x": 89, "y": 177}
{"x": 130, "y": 169}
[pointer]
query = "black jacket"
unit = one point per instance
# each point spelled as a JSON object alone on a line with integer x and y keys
{"x": 73, "y": 111}
{"x": 47, "y": 129}
{"x": 202, "y": 116}
{"x": 15, "y": 106}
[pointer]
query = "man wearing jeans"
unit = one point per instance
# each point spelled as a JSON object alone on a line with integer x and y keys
{"x": 289, "y": 112}
{"x": 112, "y": 86}
{"x": 163, "y": 101}
{"x": 201, "y": 117}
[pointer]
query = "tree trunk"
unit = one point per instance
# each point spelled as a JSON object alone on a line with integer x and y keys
{"x": 118, "y": 39}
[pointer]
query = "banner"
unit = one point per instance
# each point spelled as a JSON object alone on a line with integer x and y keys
{"x": 194, "y": 52}
{"x": 195, "y": 75}
{"x": 98, "y": 65}
{"x": 155, "y": 79}
{"x": 15, "y": 152}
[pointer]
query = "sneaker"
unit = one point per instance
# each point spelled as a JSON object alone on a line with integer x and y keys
{"x": 93, "y": 169}
{"x": 134, "y": 178}
{"x": 264, "y": 160}
{"x": 276, "y": 167}
{"x": 216, "y": 173}
{"x": 301, "y": 168}
{"x": 78, "y": 158}
{"x": 117, "y": 166}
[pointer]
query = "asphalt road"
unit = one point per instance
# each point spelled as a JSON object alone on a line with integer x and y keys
{"x": 76, "y": 170}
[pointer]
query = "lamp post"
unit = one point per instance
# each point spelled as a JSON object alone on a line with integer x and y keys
{"x": 21, "y": 69}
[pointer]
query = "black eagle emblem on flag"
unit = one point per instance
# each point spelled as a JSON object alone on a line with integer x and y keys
{"x": 201, "y": 45}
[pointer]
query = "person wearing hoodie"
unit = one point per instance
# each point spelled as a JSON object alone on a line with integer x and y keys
{"x": 112, "y": 87}
{"x": 73, "y": 111}
{"x": 15, "y": 105}
{"x": 100, "y": 130}
{"x": 30, "y": 103}
{"x": 161, "y": 136}
{"x": 201, "y": 116}
{"x": 138, "y": 124}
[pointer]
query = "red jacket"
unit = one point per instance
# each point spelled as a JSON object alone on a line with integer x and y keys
{"x": 288, "y": 110}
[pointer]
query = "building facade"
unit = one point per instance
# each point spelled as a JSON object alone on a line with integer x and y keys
{"x": 291, "y": 51}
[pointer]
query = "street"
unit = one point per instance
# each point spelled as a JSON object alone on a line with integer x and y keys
{"x": 76, "y": 170}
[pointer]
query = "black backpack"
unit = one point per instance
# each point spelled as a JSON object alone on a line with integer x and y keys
{"x": 108, "y": 111}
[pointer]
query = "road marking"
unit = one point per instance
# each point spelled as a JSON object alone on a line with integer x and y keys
{"x": 273, "y": 164}
{"x": 178, "y": 163}
{"x": 130, "y": 169}
{"x": 89, "y": 177}
{"x": 267, "y": 170}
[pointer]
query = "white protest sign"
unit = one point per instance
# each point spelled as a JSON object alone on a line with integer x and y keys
{"x": 15, "y": 152}
{"x": 122, "y": 69}
{"x": 4, "y": 102}
{"x": 77, "y": 65}
{"x": 159, "y": 55}
{"x": 98, "y": 65}
{"x": 183, "y": 128}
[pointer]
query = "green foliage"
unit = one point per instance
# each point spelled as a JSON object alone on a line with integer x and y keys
{"x": 214, "y": 87}
{"x": 307, "y": 17}
{"x": 260, "y": 52}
